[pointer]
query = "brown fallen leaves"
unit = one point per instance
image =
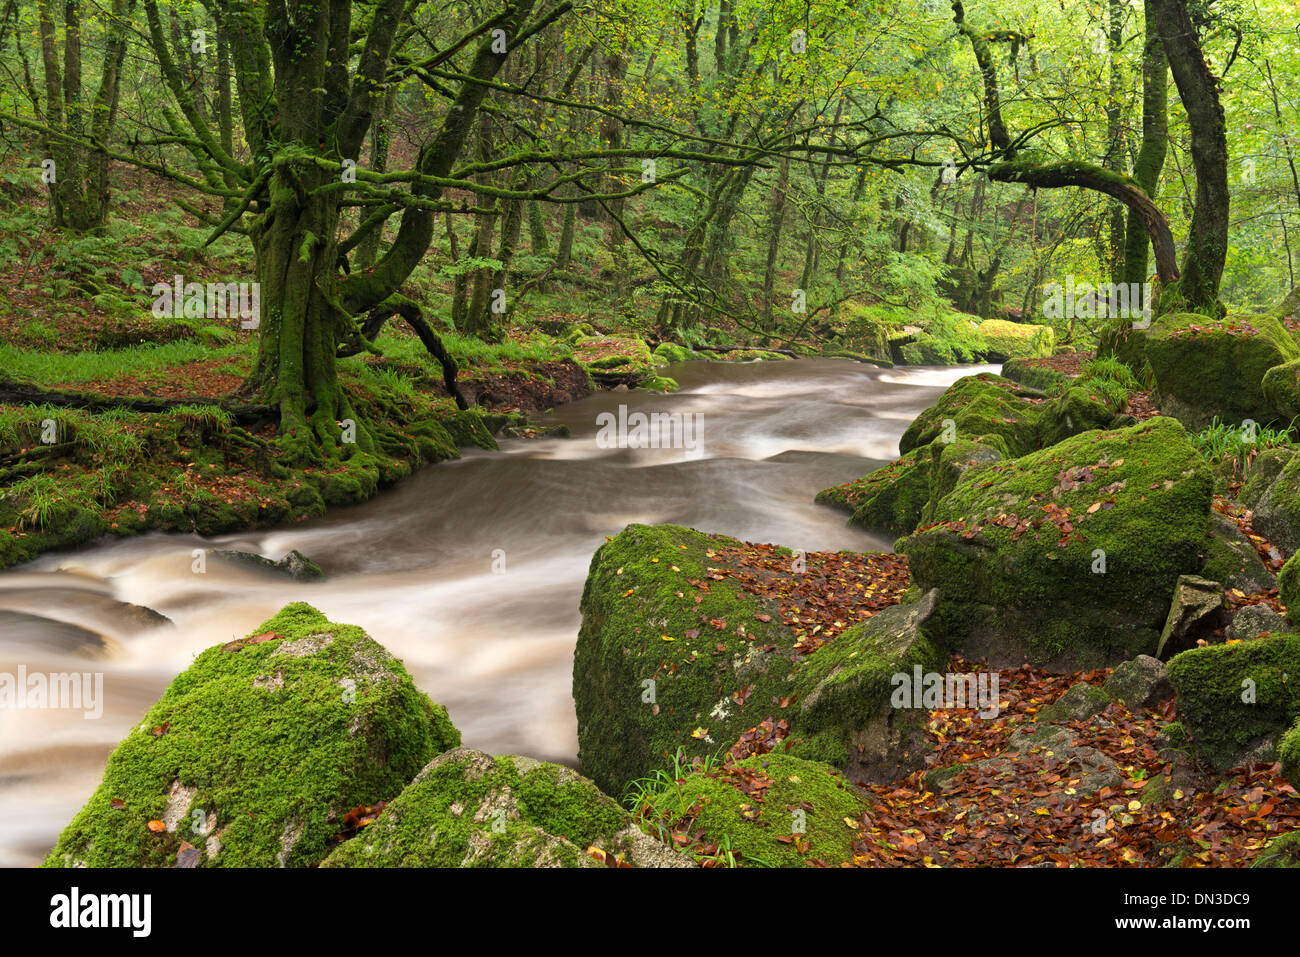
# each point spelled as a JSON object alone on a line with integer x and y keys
{"x": 1006, "y": 810}
{"x": 833, "y": 592}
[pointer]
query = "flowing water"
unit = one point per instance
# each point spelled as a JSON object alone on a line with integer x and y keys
{"x": 470, "y": 571}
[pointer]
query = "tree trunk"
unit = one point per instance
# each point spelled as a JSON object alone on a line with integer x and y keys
{"x": 1207, "y": 242}
{"x": 1151, "y": 155}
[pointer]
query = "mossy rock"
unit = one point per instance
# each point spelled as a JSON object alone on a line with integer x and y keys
{"x": 468, "y": 809}
{"x": 1288, "y": 752}
{"x": 1288, "y": 588}
{"x": 894, "y": 497}
{"x": 659, "y": 383}
{"x": 669, "y": 352}
{"x": 1237, "y": 700}
{"x": 1206, "y": 368}
{"x": 294, "y": 565}
{"x": 1016, "y": 584}
{"x": 807, "y": 800}
{"x": 1079, "y": 408}
{"x": 1282, "y": 390}
{"x": 851, "y": 495}
{"x": 647, "y": 674}
{"x": 1016, "y": 340}
{"x": 468, "y": 429}
{"x": 1282, "y": 851}
{"x": 256, "y": 751}
{"x": 1034, "y": 374}
{"x": 978, "y": 405}
{"x": 626, "y": 356}
{"x": 1272, "y": 493}
{"x": 1231, "y": 558}
{"x": 848, "y": 714}
{"x": 1079, "y": 703}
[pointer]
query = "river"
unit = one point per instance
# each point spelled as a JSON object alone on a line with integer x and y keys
{"x": 470, "y": 571}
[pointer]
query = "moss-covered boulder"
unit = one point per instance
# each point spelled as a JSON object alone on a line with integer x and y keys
{"x": 1236, "y": 701}
{"x": 1288, "y": 752}
{"x": 848, "y": 713}
{"x": 1231, "y": 558}
{"x": 980, "y": 405}
{"x": 775, "y": 810}
{"x": 1067, "y": 557}
{"x": 1080, "y": 408}
{"x": 1016, "y": 340}
{"x": 669, "y": 352}
{"x": 255, "y": 753}
{"x": 468, "y": 809}
{"x": 615, "y": 359}
{"x": 1272, "y": 493}
{"x": 890, "y": 499}
{"x": 669, "y": 657}
{"x": 1034, "y": 374}
{"x": 470, "y": 429}
{"x": 1206, "y": 368}
{"x": 1288, "y": 588}
{"x": 1282, "y": 390}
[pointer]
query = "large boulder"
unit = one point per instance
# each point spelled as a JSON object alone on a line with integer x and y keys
{"x": 468, "y": 809}
{"x": 257, "y": 751}
{"x": 848, "y": 714}
{"x": 1206, "y": 368}
{"x": 1288, "y": 588}
{"x": 1067, "y": 557}
{"x": 775, "y": 810}
{"x": 673, "y": 657}
{"x": 890, "y": 499}
{"x": 1272, "y": 493}
{"x": 1236, "y": 701}
{"x": 980, "y": 405}
{"x": 662, "y": 663}
{"x": 1231, "y": 558}
{"x": 1016, "y": 340}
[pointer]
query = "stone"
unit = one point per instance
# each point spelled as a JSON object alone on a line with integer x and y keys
{"x": 1140, "y": 683}
{"x": 1196, "y": 609}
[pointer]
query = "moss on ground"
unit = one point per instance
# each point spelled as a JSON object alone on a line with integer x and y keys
{"x": 1016, "y": 340}
{"x": 256, "y": 752}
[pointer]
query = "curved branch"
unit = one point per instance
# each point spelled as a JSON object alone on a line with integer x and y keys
{"x": 1090, "y": 176}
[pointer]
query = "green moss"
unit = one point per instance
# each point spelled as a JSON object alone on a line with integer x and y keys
{"x": 1206, "y": 368}
{"x": 1282, "y": 851}
{"x": 1011, "y": 575}
{"x": 1233, "y": 697}
{"x": 670, "y": 352}
{"x": 1016, "y": 340}
{"x": 804, "y": 799}
{"x": 1288, "y": 588}
{"x": 271, "y": 742}
{"x": 468, "y": 809}
{"x": 648, "y": 675}
{"x": 1288, "y": 752}
{"x": 468, "y": 430}
{"x": 978, "y": 405}
{"x": 1034, "y": 375}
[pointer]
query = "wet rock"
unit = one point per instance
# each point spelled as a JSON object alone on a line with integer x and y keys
{"x": 296, "y": 565}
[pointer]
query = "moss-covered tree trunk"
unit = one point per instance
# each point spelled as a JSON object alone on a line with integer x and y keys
{"x": 1207, "y": 242}
{"x": 1151, "y": 155}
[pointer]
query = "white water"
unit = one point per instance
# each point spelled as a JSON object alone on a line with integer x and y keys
{"x": 415, "y": 567}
